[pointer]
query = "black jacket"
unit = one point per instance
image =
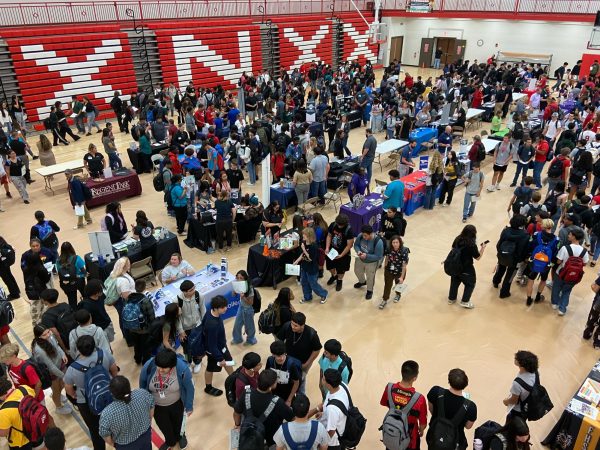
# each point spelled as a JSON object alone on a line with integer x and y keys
{"x": 520, "y": 237}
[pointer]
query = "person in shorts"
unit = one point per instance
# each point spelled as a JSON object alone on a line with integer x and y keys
{"x": 548, "y": 238}
{"x": 502, "y": 157}
{"x": 340, "y": 237}
{"x": 217, "y": 352}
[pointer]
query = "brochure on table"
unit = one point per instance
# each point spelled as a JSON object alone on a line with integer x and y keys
{"x": 209, "y": 283}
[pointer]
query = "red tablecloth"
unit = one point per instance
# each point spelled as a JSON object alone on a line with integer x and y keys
{"x": 529, "y": 92}
{"x": 413, "y": 195}
{"x": 113, "y": 189}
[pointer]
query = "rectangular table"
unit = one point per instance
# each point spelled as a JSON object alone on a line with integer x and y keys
{"x": 285, "y": 196}
{"x": 161, "y": 256}
{"x": 474, "y": 113}
{"x": 489, "y": 144}
{"x": 113, "y": 189}
{"x": 574, "y": 430}
{"x": 48, "y": 172}
{"x": 337, "y": 169}
{"x": 518, "y": 96}
{"x": 414, "y": 193}
{"x": 421, "y": 135}
{"x": 267, "y": 270}
{"x": 367, "y": 214}
{"x": 388, "y": 146}
{"x": 209, "y": 284}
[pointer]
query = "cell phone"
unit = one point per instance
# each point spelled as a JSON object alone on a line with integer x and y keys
{"x": 486, "y": 242}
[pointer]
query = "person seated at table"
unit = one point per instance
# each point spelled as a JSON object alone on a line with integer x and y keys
{"x": 359, "y": 183}
{"x": 253, "y": 207}
{"x": 407, "y": 165}
{"x": 176, "y": 269}
{"x": 44, "y": 147}
{"x": 222, "y": 184}
{"x": 180, "y": 139}
{"x": 423, "y": 118}
{"x": 297, "y": 227}
{"x": 143, "y": 231}
{"x": 461, "y": 118}
{"x": 94, "y": 162}
{"x": 272, "y": 218}
{"x": 191, "y": 162}
{"x": 114, "y": 222}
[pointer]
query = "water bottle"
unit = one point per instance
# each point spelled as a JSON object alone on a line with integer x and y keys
{"x": 101, "y": 262}
{"x": 223, "y": 268}
{"x": 477, "y": 444}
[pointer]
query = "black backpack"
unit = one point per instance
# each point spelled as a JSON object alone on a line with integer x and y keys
{"x": 346, "y": 362}
{"x": 596, "y": 169}
{"x": 7, "y": 312}
{"x": 256, "y": 304}
{"x": 67, "y": 274}
{"x": 507, "y": 253}
{"x": 159, "y": 182}
{"x": 556, "y": 168}
{"x": 453, "y": 262}
{"x": 136, "y": 132}
{"x": 252, "y": 428}
{"x": 551, "y": 203}
{"x": 444, "y": 433}
{"x": 521, "y": 200}
{"x": 538, "y": 403}
{"x": 356, "y": 423}
{"x": 65, "y": 321}
{"x": 266, "y": 320}
{"x": 230, "y": 385}
{"x": 41, "y": 370}
{"x": 486, "y": 432}
{"x": 480, "y": 152}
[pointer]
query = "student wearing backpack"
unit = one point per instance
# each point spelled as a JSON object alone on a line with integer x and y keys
{"x": 7, "y": 259}
{"x": 528, "y": 364}
{"x": 169, "y": 379}
{"x": 303, "y": 432}
{"x": 521, "y": 196}
{"x": 58, "y": 317}
{"x": 288, "y": 370}
{"x": 402, "y": 393}
{"x": 512, "y": 249}
{"x": 570, "y": 261}
{"x": 246, "y": 375}
{"x": 21, "y": 372}
{"x": 93, "y": 302}
{"x": 466, "y": 243}
{"x": 451, "y": 413}
{"x": 45, "y": 231}
{"x": 71, "y": 273}
{"x": 525, "y": 154}
{"x": 332, "y": 359}
{"x": 533, "y": 207}
{"x": 75, "y": 383}
{"x": 12, "y": 421}
{"x": 542, "y": 250}
{"x": 265, "y": 407}
{"x": 331, "y": 415}
{"x": 87, "y": 328}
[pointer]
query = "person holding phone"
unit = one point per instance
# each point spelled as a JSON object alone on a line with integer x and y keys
{"x": 466, "y": 242}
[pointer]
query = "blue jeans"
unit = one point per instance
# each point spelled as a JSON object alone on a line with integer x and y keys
{"x": 251, "y": 172}
{"x": 79, "y": 123}
{"x": 537, "y": 173}
{"x": 436, "y": 63}
{"x": 390, "y": 133}
{"x": 91, "y": 121}
{"x": 318, "y": 188}
{"x": 114, "y": 161}
{"x": 244, "y": 318}
{"x": 469, "y": 205}
{"x": 430, "y": 197}
{"x": 376, "y": 123}
{"x": 310, "y": 284}
{"x": 594, "y": 246}
{"x": 561, "y": 292}
{"x": 367, "y": 163}
{"x": 520, "y": 168}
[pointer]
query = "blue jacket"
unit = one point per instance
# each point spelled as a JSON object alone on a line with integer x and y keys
{"x": 76, "y": 187}
{"x": 176, "y": 191}
{"x": 373, "y": 247}
{"x": 184, "y": 376}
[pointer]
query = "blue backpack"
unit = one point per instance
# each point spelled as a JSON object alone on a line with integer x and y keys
{"x": 542, "y": 254}
{"x": 133, "y": 318}
{"x": 96, "y": 384}
{"x": 306, "y": 445}
{"x": 44, "y": 230}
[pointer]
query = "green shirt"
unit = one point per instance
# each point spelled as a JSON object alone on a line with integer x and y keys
{"x": 496, "y": 123}
{"x": 77, "y": 107}
{"x": 145, "y": 145}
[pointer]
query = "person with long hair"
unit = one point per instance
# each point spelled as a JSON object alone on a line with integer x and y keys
{"x": 466, "y": 242}
{"x": 71, "y": 273}
{"x": 320, "y": 227}
{"x": 309, "y": 267}
{"x": 169, "y": 380}
{"x": 45, "y": 152}
{"x": 512, "y": 436}
{"x": 272, "y": 218}
{"x": 125, "y": 286}
{"x": 5, "y": 119}
{"x": 15, "y": 169}
{"x": 115, "y": 222}
{"x": 126, "y": 423}
{"x": 245, "y": 313}
{"x": 396, "y": 261}
{"x": 451, "y": 174}
{"x": 94, "y": 161}
{"x": 283, "y": 308}
{"x": 226, "y": 212}
{"x": 172, "y": 328}
{"x": 143, "y": 231}
{"x": 45, "y": 349}
{"x": 302, "y": 179}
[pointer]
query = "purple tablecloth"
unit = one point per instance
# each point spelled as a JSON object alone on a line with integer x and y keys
{"x": 366, "y": 214}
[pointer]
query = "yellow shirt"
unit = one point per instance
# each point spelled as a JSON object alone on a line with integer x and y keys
{"x": 11, "y": 420}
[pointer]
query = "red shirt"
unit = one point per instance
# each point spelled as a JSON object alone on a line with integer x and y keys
{"x": 418, "y": 415}
{"x": 173, "y": 129}
{"x": 473, "y": 152}
{"x": 409, "y": 82}
{"x": 199, "y": 118}
{"x": 534, "y": 228}
{"x": 240, "y": 385}
{"x": 543, "y": 147}
{"x": 477, "y": 99}
{"x": 27, "y": 377}
{"x": 278, "y": 164}
{"x": 175, "y": 167}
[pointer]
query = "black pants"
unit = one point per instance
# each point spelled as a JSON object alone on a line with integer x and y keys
{"x": 180, "y": 217}
{"x": 93, "y": 423}
{"x": 58, "y": 137}
{"x": 169, "y": 419}
{"x": 224, "y": 226}
{"x": 141, "y": 349}
{"x": 447, "y": 188}
{"x": 592, "y": 326}
{"x": 507, "y": 273}
{"x": 9, "y": 280}
{"x": 468, "y": 279}
{"x": 71, "y": 292}
{"x": 145, "y": 162}
{"x": 120, "y": 120}
{"x": 126, "y": 122}
{"x": 331, "y": 135}
{"x": 64, "y": 130}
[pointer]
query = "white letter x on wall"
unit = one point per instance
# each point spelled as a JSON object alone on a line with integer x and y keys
{"x": 80, "y": 73}
{"x": 360, "y": 43}
{"x": 307, "y": 48}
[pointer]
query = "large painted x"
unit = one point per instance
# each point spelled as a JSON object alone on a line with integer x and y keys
{"x": 306, "y": 47}
{"x": 360, "y": 43}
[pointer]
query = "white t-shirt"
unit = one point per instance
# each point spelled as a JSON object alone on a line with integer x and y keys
{"x": 517, "y": 389}
{"x": 332, "y": 417}
{"x": 563, "y": 255}
{"x": 125, "y": 284}
{"x": 553, "y": 126}
{"x": 300, "y": 432}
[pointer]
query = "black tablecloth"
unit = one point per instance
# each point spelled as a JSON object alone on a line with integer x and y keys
{"x": 337, "y": 170}
{"x": 160, "y": 257}
{"x": 267, "y": 271}
{"x": 200, "y": 235}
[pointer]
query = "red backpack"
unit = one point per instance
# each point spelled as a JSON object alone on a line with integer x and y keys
{"x": 35, "y": 417}
{"x": 572, "y": 271}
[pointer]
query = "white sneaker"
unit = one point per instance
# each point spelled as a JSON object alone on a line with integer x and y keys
{"x": 467, "y": 305}
{"x": 560, "y": 313}
{"x": 451, "y": 302}
{"x": 64, "y": 409}
{"x": 554, "y": 306}
{"x": 198, "y": 367}
{"x": 491, "y": 188}
{"x": 498, "y": 187}
{"x": 250, "y": 184}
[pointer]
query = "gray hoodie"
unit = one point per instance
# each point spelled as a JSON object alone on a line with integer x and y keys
{"x": 96, "y": 332}
{"x": 192, "y": 311}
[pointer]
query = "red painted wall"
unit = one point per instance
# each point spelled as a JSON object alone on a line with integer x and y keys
{"x": 587, "y": 59}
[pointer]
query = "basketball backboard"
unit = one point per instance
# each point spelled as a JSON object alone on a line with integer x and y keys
{"x": 594, "y": 42}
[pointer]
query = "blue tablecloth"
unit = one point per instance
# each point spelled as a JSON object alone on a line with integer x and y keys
{"x": 366, "y": 214}
{"x": 421, "y": 135}
{"x": 285, "y": 196}
{"x": 208, "y": 284}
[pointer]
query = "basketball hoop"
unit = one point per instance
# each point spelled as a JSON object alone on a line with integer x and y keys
{"x": 377, "y": 33}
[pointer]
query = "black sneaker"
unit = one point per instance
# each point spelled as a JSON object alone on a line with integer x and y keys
{"x": 331, "y": 280}
{"x": 529, "y": 301}
{"x": 338, "y": 285}
{"x": 513, "y": 184}
{"x": 587, "y": 334}
{"x": 359, "y": 285}
{"x": 539, "y": 298}
{"x": 183, "y": 443}
{"x": 369, "y": 295}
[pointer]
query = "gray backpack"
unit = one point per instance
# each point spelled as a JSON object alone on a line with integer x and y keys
{"x": 395, "y": 432}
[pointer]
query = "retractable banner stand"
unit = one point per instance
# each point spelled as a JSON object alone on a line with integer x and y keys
{"x": 266, "y": 180}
